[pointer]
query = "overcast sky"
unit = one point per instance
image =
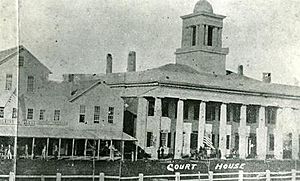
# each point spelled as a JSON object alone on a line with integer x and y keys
{"x": 74, "y": 36}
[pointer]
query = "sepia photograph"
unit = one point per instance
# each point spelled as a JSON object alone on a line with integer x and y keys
{"x": 149, "y": 90}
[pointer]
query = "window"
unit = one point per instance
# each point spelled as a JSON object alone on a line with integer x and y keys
{"x": 151, "y": 103}
{"x": 169, "y": 140}
{"x": 56, "y": 115}
{"x": 96, "y": 114}
{"x": 196, "y": 111}
{"x": 21, "y": 61}
{"x": 30, "y": 84}
{"x": 194, "y": 31}
{"x": 42, "y": 114}
{"x": 233, "y": 113}
{"x": 163, "y": 139}
{"x": 227, "y": 141}
{"x": 149, "y": 139}
{"x": 165, "y": 108}
{"x": 29, "y": 113}
{"x": 185, "y": 111}
{"x": 14, "y": 113}
{"x": 251, "y": 114}
{"x": 1, "y": 112}
{"x": 82, "y": 114}
{"x": 8, "y": 83}
{"x": 210, "y": 112}
{"x": 110, "y": 115}
{"x": 210, "y": 35}
{"x": 271, "y": 142}
{"x": 271, "y": 114}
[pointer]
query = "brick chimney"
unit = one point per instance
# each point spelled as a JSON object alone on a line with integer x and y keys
{"x": 108, "y": 63}
{"x": 240, "y": 70}
{"x": 266, "y": 77}
{"x": 131, "y": 63}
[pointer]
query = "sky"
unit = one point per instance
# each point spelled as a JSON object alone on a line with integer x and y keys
{"x": 74, "y": 36}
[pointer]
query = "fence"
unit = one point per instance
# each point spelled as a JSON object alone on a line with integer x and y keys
{"x": 293, "y": 175}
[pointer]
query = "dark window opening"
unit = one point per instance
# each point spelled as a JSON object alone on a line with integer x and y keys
{"x": 233, "y": 113}
{"x": 251, "y": 114}
{"x": 196, "y": 111}
{"x": 271, "y": 115}
{"x": 185, "y": 110}
{"x": 165, "y": 108}
{"x": 271, "y": 142}
{"x": 194, "y": 31}
{"x": 169, "y": 140}
{"x": 81, "y": 113}
{"x": 151, "y": 104}
{"x": 227, "y": 141}
{"x": 210, "y": 35}
{"x": 211, "y": 110}
{"x": 149, "y": 139}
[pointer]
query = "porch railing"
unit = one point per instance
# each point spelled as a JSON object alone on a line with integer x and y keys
{"x": 292, "y": 175}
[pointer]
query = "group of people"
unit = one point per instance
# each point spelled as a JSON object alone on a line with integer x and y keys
{"x": 6, "y": 152}
{"x": 206, "y": 153}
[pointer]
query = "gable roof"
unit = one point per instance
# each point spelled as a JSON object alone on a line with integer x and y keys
{"x": 183, "y": 75}
{"x": 7, "y": 54}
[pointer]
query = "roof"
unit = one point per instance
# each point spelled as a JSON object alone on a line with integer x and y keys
{"x": 183, "y": 75}
{"x": 6, "y": 55}
{"x": 63, "y": 132}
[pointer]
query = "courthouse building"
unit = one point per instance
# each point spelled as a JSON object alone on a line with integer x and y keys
{"x": 181, "y": 107}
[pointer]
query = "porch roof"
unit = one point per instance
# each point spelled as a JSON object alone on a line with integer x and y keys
{"x": 66, "y": 133}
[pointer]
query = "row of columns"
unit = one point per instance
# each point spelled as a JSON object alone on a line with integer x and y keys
{"x": 202, "y": 35}
{"x": 73, "y": 148}
{"x": 244, "y": 130}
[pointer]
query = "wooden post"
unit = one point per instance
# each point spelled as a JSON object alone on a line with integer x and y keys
{"x": 58, "y": 176}
{"x": 98, "y": 150}
{"x": 47, "y": 148}
{"x": 141, "y": 177}
{"x": 241, "y": 175}
{"x": 12, "y": 176}
{"x": 210, "y": 176}
{"x": 85, "y": 146}
{"x": 42, "y": 178}
{"x": 101, "y": 177}
{"x": 73, "y": 145}
{"x": 32, "y": 148}
{"x": 177, "y": 176}
{"x": 136, "y": 151}
{"x": 293, "y": 174}
{"x": 122, "y": 150}
{"x": 268, "y": 175}
{"x": 59, "y": 145}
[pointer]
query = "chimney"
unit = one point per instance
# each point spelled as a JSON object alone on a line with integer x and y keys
{"x": 108, "y": 63}
{"x": 131, "y": 63}
{"x": 266, "y": 77}
{"x": 240, "y": 70}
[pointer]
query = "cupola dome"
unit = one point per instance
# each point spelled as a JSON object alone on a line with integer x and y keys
{"x": 203, "y": 6}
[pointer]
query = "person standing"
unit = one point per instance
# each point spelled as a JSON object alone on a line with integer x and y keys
{"x": 1, "y": 151}
{"x": 9, "y": 154}
{"x": 44, "y": 152}
{"x": 112, "y": 152}
{"x": 26, "y": 151}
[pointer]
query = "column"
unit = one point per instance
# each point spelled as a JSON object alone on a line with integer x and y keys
{"x": 47, "y": 147}
{"x": 205, "y": 34}
{"x": 85, "y": 147}
{"x": 187, "y": 139}
{"x": 278, "y": 135}
{"x": 215, "y": 37}
{"x": 136, "y": 151}
{"x": 122, "y": 150}
{"x": 243, "y": 133}
{"x": 98, "y": 149}
{"x": 200, "y": 33}
{"x": 73, "y": 145}
{"x": 201, "y": 124}
{"x": 223, "y": 130}
{"x": 295, "y": 136}
{"x": 59, "y": 146}
{"x": 156, "y": 132}
{"x": 32, "y": 148}
{"x": 179, "y": 130}
{"x": 141, "y": 122}
{"x": 219, "y": 37}
{"x": 261, "y": 134}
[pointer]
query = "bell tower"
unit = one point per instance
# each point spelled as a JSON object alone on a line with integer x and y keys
{"x": 201, "y": 44}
